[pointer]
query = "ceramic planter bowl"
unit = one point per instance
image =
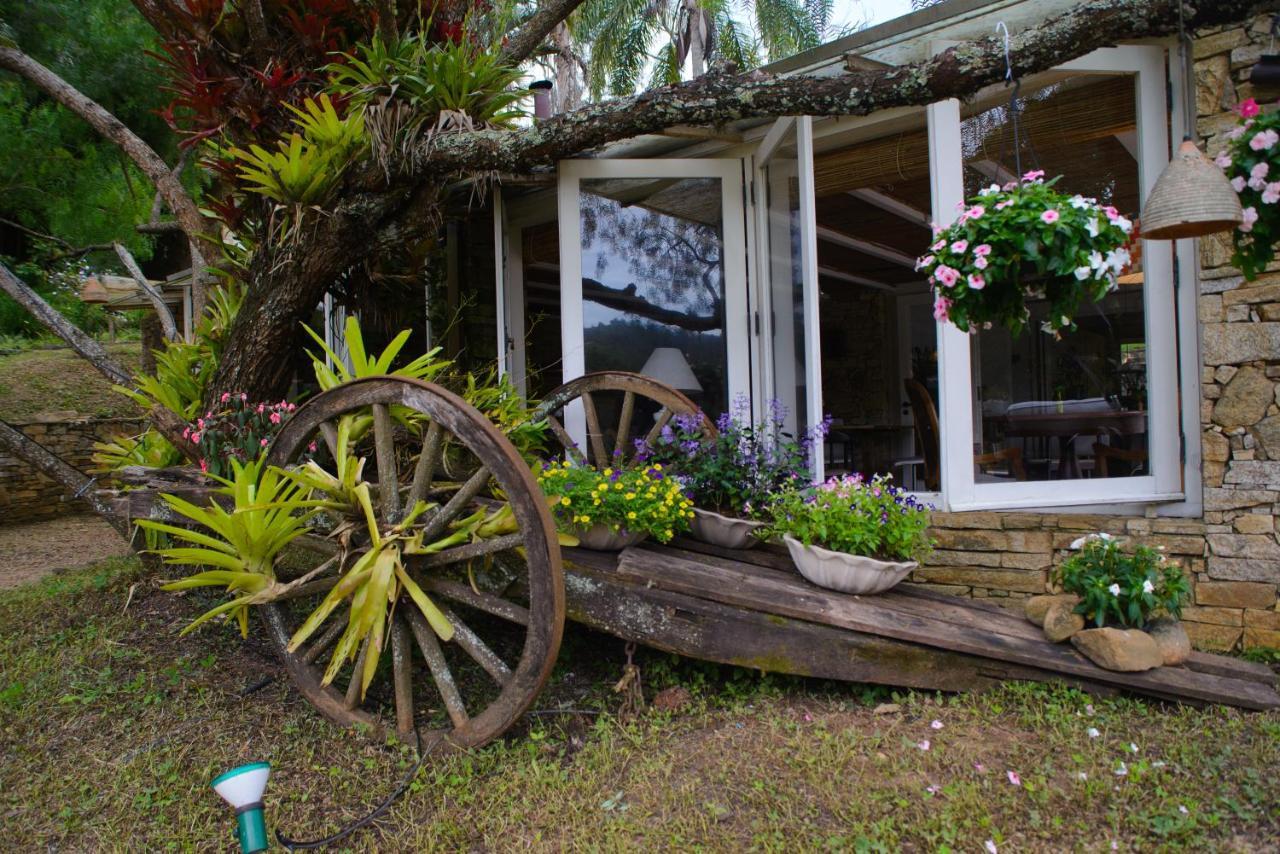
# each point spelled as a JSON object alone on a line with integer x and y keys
{"x": 724, "y": 531}
{"x": 602, "y": 538}
{"x": 845, "y": 572}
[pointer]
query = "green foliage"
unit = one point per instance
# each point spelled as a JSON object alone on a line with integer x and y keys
{"x": 442, "y": 86}
{"x": 1025, "y": 241}
{"x": 644, "y": 499}
{"x": 853, "y": 515}
{"x": 363, "y": 364}
{"x": 736, "y": 471}
{"x": 270, "y": 510}
{"x": 1125, "y": 588}
{"x": 183, "y": 370}
{"x": 500, "y": 402}
{"x": 1252, "y": 162}
{"x": 237, "y": 430}
{"x": 59, "y": 285}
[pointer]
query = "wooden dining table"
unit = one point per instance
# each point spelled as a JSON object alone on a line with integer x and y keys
{"x": 1067, "y": 426}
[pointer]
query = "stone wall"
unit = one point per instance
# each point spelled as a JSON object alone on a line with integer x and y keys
{"x": 1240, "y": 382}
{"x": 27, "y": 495}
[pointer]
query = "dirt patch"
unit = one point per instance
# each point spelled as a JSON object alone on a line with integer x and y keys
{"x": 38, "y": 382}
{"x": 33, "y": 550}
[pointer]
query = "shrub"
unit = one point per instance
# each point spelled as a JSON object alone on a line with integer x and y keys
{"x": 735, "y": 472}
{"x": 1121, "y": 587}
{"x": 635, "y": 500}
{"x": 850, "y": 514}
{"x": 240, "y": 431}
{"x": 1252, "y": 161}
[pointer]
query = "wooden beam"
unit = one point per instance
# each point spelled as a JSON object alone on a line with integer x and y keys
{"x": 854, "y": 280}
{"x": 777, "y": 133}
{"x": 703, "y": 133}
{"x": 866, "y": 247}
{"x": 888, "y": 203}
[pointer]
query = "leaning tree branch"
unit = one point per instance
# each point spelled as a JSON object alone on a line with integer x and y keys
{"x": 719, "y": 98}
{"x": 168, "y": 422}
{"x": 528, "y": 38}
{"x": 144, "y": 157}
{"x": 627, "y": 300}
{"x": 75, "y": 482}
{"x": 157, "y": 299}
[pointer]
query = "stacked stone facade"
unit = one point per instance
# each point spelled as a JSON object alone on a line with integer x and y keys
{"x": 26, "y": 494}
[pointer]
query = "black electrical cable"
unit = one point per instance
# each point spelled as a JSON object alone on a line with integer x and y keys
{"x": 368, "y": 818}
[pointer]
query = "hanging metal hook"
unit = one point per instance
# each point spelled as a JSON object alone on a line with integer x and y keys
{"x": 1008, "y": 63}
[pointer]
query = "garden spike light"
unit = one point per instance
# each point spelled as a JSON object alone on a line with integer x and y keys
{"x": 242, "y": 787}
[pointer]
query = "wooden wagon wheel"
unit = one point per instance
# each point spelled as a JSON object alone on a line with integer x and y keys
{"x": 628, "y": 393}
{"x": 490, "y": 590}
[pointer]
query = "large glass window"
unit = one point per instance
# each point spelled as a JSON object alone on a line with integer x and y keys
{"x": 1072, "y": 405}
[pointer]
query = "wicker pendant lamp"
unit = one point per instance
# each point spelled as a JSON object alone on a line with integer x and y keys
{"x": 1191, "y": 198}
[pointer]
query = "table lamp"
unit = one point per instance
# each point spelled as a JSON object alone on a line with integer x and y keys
{"x": 669, "y": 366}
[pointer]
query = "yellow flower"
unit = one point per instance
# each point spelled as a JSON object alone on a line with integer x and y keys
{"x": 617, "y": 486}
{"x": 630, "y": 495}
{"x": 597, "y": 501}
{"x": 631, "y": 515}
{"x": 608, "y": 472}
{"x": 586, "y": 520}
{"x": 565, "y": 501}
{"x": 657, "y": 466}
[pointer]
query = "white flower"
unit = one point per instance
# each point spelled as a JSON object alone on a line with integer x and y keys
{"x": 1118, "y": 259}
{"x": 989, "y": 191}
{"x": 1125, "y": 224}
{"x": 1092, "y": 227}
{"x": 1147, "y": 586}
{"x": 1115, "y": 589}
{"x": 923, "y": 745}
{"x": 1079, "y": 202}
{"x": 936, "y": 725}
{"x": 1096, "y": 261}
{"x": 1122, "y": 770}
{"x": 1080, "y": 775}
{"x": 1092, "y": 732}
{"x": 1133, "y": 748}
{"x": 1159, "y": 763}
{"x": 990, "y": 845}
{"x": 1083, "y": 273}
{"x": 1182, "y": 809}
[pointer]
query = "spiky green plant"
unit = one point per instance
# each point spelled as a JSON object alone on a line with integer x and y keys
{"x": 363, "y": 364}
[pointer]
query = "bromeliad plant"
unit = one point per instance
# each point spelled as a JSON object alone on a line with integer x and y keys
{"x": 735, "y": 471}
{"x": 1025, "y": 240}
{"x": 1119, "y": 587}
{"x": 1252, "y": 161}
{"x": 850, "y": 514}
{"x": 639, "y": 500}
{"x": 238, "y": 430}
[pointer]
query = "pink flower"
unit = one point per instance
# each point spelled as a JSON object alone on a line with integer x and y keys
{"x": 959, "y": 246}
{"x": 195, "y": 438}
{"x": 976, "y": 282}
{"x": 1014, "y": 778}
{"x": 1272, "y": 194}
{"x": 1011, "y": 185}
{"x": 275, "y": 418}
{"x": 226, "y": 395}
{"x": 940, "y": 307}
{"x": 1264, "y": 141}
{"x": 261, "y": 408}
{"x": 923, "y": 745}
{"x": 311, "y": 448}
{"x": 979, "y": 767}
{"x": 1237, "y": 183}
{"x": 926, "y": 261}
{"x": 982, "y": 249}
{"x": 939, "y": 246}
{"x": 200, "y": 423}
{"x": 933, "y": 790}
{"x": 204, "y": 466}
{"x": 186, "y": 432}
{"x": 1002, "y": 205}
{"x": 980, "y": 262}
{"x": 1259, "y": 170}
{"x": 1250, "y": 217}
{"x": 1049, "y": 217}
{"x": 263, "y": 443}
{"x": 1248, "y": 108}
{"x": 947, "y": 275}
{"x": 1033, "y": 175}
{"x": 975, "y": 212}
{"x": 292, "y": 407}
{"x": 1223, "y": 159}
{"x": 1111, "y": 212}
{"x": 936, "y": 725}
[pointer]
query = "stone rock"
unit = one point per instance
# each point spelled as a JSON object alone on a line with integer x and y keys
{"x": 672, "y": 699}
{"x": 1037, "y": 607}
{"x": 1267, "y": 432}
{"x": 1215, "y": 447}
{"x": 1061, "y": 622}
{"x": 886, "y": 709}
{"x": 1171, "y": 638}
{"x": 1234, "y": 343}
{"x": 1123, "y": 650}
{"x": 1245, "y": 399}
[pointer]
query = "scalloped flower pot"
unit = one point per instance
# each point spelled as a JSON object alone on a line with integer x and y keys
{"x": 845, "y": 572}
{"x": 724, "y": 531}
{"x": 602, "y": 538}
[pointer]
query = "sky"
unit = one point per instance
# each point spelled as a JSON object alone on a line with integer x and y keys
{"x": 869, "y": 12}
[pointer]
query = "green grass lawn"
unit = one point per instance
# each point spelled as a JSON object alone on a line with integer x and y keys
{"x": 113, "y": 725}
{"x": 39, "y": 381}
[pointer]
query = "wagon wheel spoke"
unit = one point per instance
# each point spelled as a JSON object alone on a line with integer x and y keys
{"x": 458, "y": 554}
{"x": 456, "y": 505}
{"x": 571, "y": 447}
{"x": 385, "y": 450}
{"x": 595, "y": 436}
{"x": 486, "y": 602}
{"x": 479, "y": 651}
{"x": 324, "y": 643}
{"x": 424, "y": 472}
{"x": 402, "y": 675}
{"x": 330, "y": 434}
{"x": 624, "y": 426}
{"x": 440, "y": 673}
{"x": 663, "y": 417}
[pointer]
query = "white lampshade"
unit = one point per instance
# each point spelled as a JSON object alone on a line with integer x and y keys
{"x": 244, "y": 785}
{"x": 668, "y": 365}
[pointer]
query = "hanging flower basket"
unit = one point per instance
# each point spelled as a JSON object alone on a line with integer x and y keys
{"x": 1251, "y": 161}
{"x": 1024, "y": 241}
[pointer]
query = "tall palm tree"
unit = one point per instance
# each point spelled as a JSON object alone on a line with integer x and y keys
{"x": 628, "y": 44}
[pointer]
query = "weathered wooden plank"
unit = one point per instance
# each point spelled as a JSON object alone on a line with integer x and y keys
{"x": 801, "y": 601}
{"x": 1236, "y": 668}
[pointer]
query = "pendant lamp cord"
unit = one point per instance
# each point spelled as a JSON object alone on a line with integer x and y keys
{"x": 1188, "y": 75}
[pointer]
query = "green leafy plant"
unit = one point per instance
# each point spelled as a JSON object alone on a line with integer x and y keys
{"x": 1024, "y": 241}
{"x": 269, "y": 511}
{"x": 363, "y": 364}
{"x": 849, "y": 514}
{"x": 1252, "y": 161}
{"x": 635, "y": 500}
{"x": 1121, "y": 587}
{"x": 239, "y": 429}
{"x": 737, "y": 470}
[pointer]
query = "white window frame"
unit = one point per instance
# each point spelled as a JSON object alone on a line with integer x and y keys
{"x": 736, "y": 309}
{"x": 1164, "y": 482}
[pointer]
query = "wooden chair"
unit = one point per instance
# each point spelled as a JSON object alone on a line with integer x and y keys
{"x": 924, "y": 417}
{"x": 1103, "y": 453}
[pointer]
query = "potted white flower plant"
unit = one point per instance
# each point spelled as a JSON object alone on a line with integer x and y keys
{"x": 851, "y": 534}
